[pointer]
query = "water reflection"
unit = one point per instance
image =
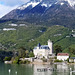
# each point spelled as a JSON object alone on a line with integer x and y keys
{"x": 36, "y": 72}
{"x": 59, "y": 69}
{"x": 32, "y": 69}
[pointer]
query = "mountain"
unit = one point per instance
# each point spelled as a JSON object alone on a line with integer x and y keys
{"x": 45, "y": 12}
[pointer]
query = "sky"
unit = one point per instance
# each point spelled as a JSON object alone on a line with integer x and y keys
{"x": 7, "y": 5}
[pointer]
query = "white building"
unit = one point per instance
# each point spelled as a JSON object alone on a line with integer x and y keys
{"x": 43, "y": 50}
{"x": 72, "y": 59}
{"x": 62, "y": 56}
{"x": 8, "y": 29}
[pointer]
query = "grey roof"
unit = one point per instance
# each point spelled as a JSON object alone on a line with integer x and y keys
{"x": 44, "y": 47}
{"x": 72, "y": 57}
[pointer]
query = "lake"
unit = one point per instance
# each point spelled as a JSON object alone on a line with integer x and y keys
{"x": 32, "y": 69}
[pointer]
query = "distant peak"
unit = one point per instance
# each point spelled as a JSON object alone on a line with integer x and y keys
{"x": 71, "y": 2}
{"x": 31, "y": 3}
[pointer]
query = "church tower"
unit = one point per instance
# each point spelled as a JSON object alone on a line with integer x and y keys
{"x": 50, "y": 44}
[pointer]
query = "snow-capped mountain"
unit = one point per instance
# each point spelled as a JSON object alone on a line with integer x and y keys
{"x": 45, "y": 3}
{"x": 32, "y": 4}
{"x": 45, "y": 12}
{"x": 38, "y": 6}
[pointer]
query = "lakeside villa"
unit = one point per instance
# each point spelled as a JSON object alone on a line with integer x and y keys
{"x": 41, "y": 51}
{"x": 46, "y": 51}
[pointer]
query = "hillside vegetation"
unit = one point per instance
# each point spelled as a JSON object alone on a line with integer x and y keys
{"x": 29, "y": 36}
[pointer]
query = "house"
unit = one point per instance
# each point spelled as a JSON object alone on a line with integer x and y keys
{"x": 41, "y": 51}
{"x": 29, "y": 59}
{"x": 62, "y": 56}
{"x": 72, "y": 59}
{"x": 8, "y": 62}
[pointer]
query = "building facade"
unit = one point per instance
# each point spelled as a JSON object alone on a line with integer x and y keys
{"x": 41, "y": 51}
{"x": 72, "y": 59}
{"x": 62, "y": 56}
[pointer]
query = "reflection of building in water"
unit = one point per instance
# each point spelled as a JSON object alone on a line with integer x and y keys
{"x": 58, "y": 69}
{"x": 42, "y": 72}
{"x": 63, "y": 66}
{"x": 63, "y": 69}
{"x": 74, "y": 66}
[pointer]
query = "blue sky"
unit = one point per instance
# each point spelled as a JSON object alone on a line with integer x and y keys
{"x": 8, "y": 5}
{"x": 1, "y": 2}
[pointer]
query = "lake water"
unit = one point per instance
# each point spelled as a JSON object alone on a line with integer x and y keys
{"x": 32, "y": 69}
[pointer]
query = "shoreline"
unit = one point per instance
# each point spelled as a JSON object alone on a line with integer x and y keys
{"x": 44, "y": 63}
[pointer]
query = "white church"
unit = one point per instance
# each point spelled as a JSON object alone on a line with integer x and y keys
{"x": 43, "y": 50}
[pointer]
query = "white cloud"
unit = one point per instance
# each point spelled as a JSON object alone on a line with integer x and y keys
{"x": 5, "y": 9}
{"x": 8, "y": 5}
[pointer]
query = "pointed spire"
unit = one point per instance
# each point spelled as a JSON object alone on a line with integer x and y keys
{"x": 39, "y": 45}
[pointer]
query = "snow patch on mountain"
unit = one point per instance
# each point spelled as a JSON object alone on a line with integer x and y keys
{"x": 33, "y": 4}
{"x": 44, "y": 4}
{"x": 71, "y": 2}
{"x": 62, "y": 3}
{"x": 50, "y": 5}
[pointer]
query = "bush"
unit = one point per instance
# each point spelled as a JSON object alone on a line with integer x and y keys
{"x": 7, "y": 58}
{"x": 67, "y": 60}
{"x": 58, "y": 60}
{"x": 24, "y": 62}
{"x": 31, "y": 54}
{"x": 16, "y": 60}
{"x": 44, "y": 59}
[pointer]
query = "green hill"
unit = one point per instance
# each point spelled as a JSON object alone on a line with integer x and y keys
{"x": 29, "y": 36}
{"x": 59, "y": 35}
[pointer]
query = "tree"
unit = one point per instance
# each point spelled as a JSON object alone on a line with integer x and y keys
{"x": 26, "y": 53}
{"x": 21, "y": 52}
{"x": 58, "y": 49}
{"x": 72, "y": 51}
{"x": 31, "y": 54}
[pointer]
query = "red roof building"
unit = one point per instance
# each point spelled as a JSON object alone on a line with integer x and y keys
{"x": 62, "y": 56}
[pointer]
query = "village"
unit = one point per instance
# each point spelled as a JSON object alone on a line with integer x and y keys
{"x": 44, "y": 54}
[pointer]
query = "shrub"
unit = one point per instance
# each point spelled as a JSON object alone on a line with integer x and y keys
{"x": 31, "y": 54}
{"x": 44, "y": 59}
{"x": 7, "y": 58}
{"x": 24, "y": 62}
{"x": 67, "y": 60}
{"x": 58, "y": 60}
{"x": 16, "y": 60}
